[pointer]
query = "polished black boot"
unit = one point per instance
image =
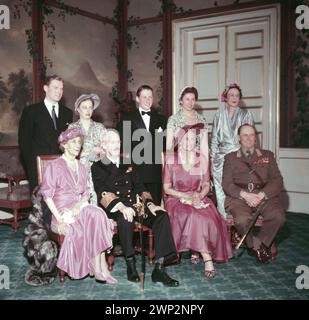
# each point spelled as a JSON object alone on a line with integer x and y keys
{"x": 159, "y": 275}
{"x": 131, "y": 270}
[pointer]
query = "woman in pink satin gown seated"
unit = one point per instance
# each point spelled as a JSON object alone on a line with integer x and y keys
{"x": 195, "y": 221}
{"x": 88, "y": 232}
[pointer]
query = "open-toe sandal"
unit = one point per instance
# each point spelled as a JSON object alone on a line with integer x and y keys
{"x": 195, "y": 258}
{"x": 210, "y": 271}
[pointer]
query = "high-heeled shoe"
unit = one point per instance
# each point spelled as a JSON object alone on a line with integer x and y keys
{"x": 100, "y": 276}
{"x": 110, "y": 279}
{"x": 209, "y": 272}
{"x": 195, "y": 258}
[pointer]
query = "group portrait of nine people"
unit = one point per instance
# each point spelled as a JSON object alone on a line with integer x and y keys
{"x": 168, "y": 163}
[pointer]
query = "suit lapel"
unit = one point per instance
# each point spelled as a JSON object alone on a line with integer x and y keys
{"x": 153, "y": 122}
{"x": 45, "y": 114}
{"x": 138, "y": 120}
{"x": 61, "y": 117}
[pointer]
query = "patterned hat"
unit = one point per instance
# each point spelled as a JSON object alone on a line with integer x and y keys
{"x": 70, "y": 134}
{"x": 91, "y": 96}
{"x": 223, "y": 97}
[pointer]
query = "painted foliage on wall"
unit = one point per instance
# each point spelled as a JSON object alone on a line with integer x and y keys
{"x": 15, "y": 77}
{"x": 84, "y": 62}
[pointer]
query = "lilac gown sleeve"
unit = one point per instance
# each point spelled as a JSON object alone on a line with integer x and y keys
{"x": 49, "y": 183}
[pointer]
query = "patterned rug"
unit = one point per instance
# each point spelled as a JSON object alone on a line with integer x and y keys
{"x": 240, "y": 279}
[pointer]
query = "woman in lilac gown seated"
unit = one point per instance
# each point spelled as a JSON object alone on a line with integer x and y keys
{"x": 196, "y": 223}
{"x": 88, "y": 232}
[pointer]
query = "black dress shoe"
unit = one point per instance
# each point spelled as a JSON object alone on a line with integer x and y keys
{"x": 251, "y": 252}
{"x": 262, "y": 254}
{"x": 132, "y": 274}
{"x": 159, "y": 275}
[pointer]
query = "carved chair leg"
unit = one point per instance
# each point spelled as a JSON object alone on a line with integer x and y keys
{"x": 273, "y": 251}
{"x": 150, "y": 248}
{"x": 110, "y": 261}
{"x": 62, "y": 276}
{"x": 15, "y": 224}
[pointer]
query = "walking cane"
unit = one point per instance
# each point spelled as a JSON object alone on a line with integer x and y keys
{"x": 251, "y": 224}
{"x": 140, "y": 208}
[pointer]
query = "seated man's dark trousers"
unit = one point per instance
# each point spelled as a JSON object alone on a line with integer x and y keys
{"x": 163, "y": 240}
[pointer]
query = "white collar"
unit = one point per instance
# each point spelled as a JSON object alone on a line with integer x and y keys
{"x": 113, "y": 161}
{"x": 50, "y": 104}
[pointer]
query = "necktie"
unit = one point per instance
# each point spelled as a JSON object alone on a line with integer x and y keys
{"x": 248, "y": 154}
{"x": 146, "y": 112}
{"x": 54, "y": 118}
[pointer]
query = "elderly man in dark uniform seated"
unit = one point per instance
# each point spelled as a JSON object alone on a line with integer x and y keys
{"x": 251, "y": 178}
{"x": 117, "y": 185}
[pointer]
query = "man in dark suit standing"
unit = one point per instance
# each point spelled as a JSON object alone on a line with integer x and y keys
{"x": 40, "y": 126}
{"x": 143, "y": 135}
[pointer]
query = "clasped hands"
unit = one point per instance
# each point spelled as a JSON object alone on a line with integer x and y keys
{"x": 129, "y": 213}
{"x": 193, "y": 197}
{"x": 67, "y": 218}
{"x": 252, "y": 199}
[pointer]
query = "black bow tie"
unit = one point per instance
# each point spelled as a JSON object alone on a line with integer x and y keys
{"x": 146, "y": 112}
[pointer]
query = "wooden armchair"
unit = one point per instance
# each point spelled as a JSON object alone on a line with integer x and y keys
{"x": 14, "y": 196}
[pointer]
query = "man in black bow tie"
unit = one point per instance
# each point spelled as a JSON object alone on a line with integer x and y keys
{"x": 117, "y": 185}
{"x": 145, "y": 129}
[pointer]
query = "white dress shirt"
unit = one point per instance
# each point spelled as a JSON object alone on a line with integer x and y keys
{"x": 49, "y": 105}
{"x": 145, "y": 117}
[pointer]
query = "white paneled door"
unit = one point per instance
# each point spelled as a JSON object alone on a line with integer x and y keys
{"x": 213, "y": 51}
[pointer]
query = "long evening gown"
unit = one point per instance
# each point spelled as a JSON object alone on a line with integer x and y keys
{"x": 92, "y": 231}
{"x": 198, "y": 229}
{"x": 224, "y": 140}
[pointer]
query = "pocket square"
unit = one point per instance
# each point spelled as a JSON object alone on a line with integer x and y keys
{"x": 129, "y": 169}
{"x": 160, "y": 129}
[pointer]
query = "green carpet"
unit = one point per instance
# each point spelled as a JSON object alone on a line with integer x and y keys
{"x": 241, "y": 278}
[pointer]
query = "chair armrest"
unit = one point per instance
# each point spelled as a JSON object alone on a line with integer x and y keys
{"x": 14, "y": 179}
{"x": 17, "y": 178}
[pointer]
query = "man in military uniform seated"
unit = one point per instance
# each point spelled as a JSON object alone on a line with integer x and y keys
{"x": 251, "y": 178}
{"x": 117, "y": 185}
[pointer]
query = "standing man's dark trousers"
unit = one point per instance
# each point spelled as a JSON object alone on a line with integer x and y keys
{"x": 32, "y": 175}
{"x": 155, "y": 190}
{"x": 163, "y": 240}
{"x": 273, "y": 218}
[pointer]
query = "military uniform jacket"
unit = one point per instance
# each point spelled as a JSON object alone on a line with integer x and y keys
{"x": 236, "y": 174}
{"x": 113, "y": 185}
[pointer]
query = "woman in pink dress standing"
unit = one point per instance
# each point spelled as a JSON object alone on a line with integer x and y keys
{"x": 195, "y": 221}
{"x": 88, "y": 232}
